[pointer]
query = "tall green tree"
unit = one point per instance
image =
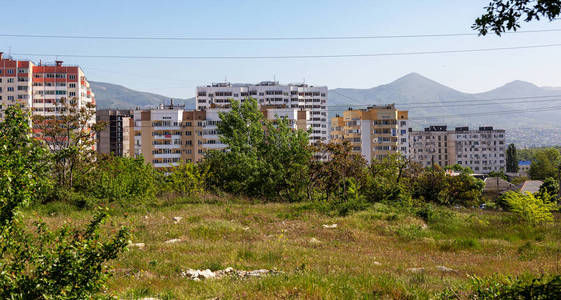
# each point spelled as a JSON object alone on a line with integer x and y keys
{"x": 511, "y": 159}
{"x": 70, "y": 137}
{"x": 263, "y": 158}
{"x": 42, "y": 264}
{"x": 545, "y": 164}
{"x": 505, "y": 15}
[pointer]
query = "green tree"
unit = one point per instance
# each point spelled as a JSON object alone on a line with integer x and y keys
{"x": 511, "y": 159}
{"x": 528, "y": 208}
{"x": 70, "y": 137}
{"x": 262, "y": 158}
{"x": 430, "y": 184}
{"x": 387, "y": 179}
{"x": 335, "y": 165}
{"x": 545, "y": 164}
{"x": 459, "y": 168}
{"x": 549, "y": 188}
{"x": 67, "y": 264}
{"x": 463, "y": 189}
{"x": 505, "y": 15}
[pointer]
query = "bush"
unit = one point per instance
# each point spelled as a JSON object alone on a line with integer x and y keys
{"x": 529, "y": 208}
{"x": 496, "y": 287}
{"x": 186, "y": 179}
{"x": 120, "y": 179}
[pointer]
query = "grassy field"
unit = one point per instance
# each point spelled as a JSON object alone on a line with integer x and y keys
{"x": 366, "y": 256}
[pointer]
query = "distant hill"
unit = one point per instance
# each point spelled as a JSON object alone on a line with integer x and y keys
{"x": 110, "y": 95}
{"x": 426, "y": 98}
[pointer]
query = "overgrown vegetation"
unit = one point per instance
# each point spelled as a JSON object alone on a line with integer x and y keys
{"x": 39, "y": 263}
{"x": 257, "y": 205}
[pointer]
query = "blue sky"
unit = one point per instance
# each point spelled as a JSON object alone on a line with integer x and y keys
{"x": 470, "y": 72}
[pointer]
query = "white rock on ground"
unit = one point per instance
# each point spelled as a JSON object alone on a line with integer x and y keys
{"x": 377, "y": 263}
{"x": 415, "y": 270}
{"x": 172, "y": 241}
{"x": 329, "y": 226}
{"x": 207, "y": 274}
{"x": 177, "y": 219}
{"x": 314, "y": 241}
{"x": 445, "y": 269}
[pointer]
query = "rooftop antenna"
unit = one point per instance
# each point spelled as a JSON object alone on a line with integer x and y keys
{"x": 225, "y": 79}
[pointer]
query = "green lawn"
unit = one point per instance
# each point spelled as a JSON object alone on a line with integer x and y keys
{"x": 366, "y": 256}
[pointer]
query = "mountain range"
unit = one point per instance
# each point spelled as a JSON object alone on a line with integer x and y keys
{"x": 517, "y": 104}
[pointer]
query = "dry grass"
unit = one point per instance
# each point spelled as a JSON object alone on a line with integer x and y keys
{"x": 344, "y": 264}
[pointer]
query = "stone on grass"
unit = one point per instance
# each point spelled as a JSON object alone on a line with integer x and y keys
{"x": 177, "y": 219}
{"x": 445, "y": 269}
{"x": 329, "y": 226}
{"x": 198, "y": 275}
{"x": 415, "y": 270}
{"x": 314, "y": 241}
{"x": 377, "y": 263}
{"x": 172, "y": 241}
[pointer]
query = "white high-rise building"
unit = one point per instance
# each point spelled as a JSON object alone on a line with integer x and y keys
{"x": 303, "y": 97}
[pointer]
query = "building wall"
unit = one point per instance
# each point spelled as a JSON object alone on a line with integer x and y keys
{"x": 432, "y": 146}
{"x": 482, "y": 150}
{"x": 293, "y": 96}
{"x": 47, "y": 90}
{"x": 374, "y": 133}
{"x": 116, "y": 135}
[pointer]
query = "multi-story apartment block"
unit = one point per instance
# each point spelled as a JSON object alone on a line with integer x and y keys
{"x": 374, "y": 132}
{"x": 15, "y": 83}
{"x": 170, "y": 135}
{"x": 482, "y": 150}
{"x": 432, "y": 146}
{"x": 291, "y": 97}
{"x": 167, "y": 136}
{"x": 45, "y": 89}
{"x": 117, "y": 136}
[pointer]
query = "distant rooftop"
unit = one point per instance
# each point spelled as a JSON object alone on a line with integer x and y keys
{"x": 524, "y": 162}
{"x": 532, "y": 186}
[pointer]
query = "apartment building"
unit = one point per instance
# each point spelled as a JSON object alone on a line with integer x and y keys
{"x": 432, "y": 146}
{"x": 117, "y": 136}
{"x": 290, "y": 97}
{"x": 45, "y": 89}
{"x": 374, "y": 132}
{"x": 483, "y": 150}
{"x": 170, "y": 135}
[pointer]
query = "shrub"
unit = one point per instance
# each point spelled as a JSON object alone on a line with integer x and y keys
{"x": 186, "y": 179}
{"x": 529, "y": 208}
{"x": 120, "y": 179}
{"x": 496, "y": 287}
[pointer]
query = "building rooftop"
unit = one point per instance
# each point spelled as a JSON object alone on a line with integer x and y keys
{"x": 532, "y": 186}
{"x": 524, "y": 162}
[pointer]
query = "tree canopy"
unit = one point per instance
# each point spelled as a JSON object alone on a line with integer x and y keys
{"x": 505, "y": 15}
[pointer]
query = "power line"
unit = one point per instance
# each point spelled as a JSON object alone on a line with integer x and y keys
{"x": 294, "y": 56}
{"x": 448, "y": 102}
{"x": 267, "y": 38}
{"x": 495, "y": 113}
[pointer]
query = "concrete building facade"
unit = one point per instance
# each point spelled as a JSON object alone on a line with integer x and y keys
{"x": 290, "y": 97}
{"x": 483, "y": 150}
{"x": 170, "y": 135}
{"x": 117, "y": 137}
{"x": 45, "y": 89}
{"x": 375, "y": 132}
